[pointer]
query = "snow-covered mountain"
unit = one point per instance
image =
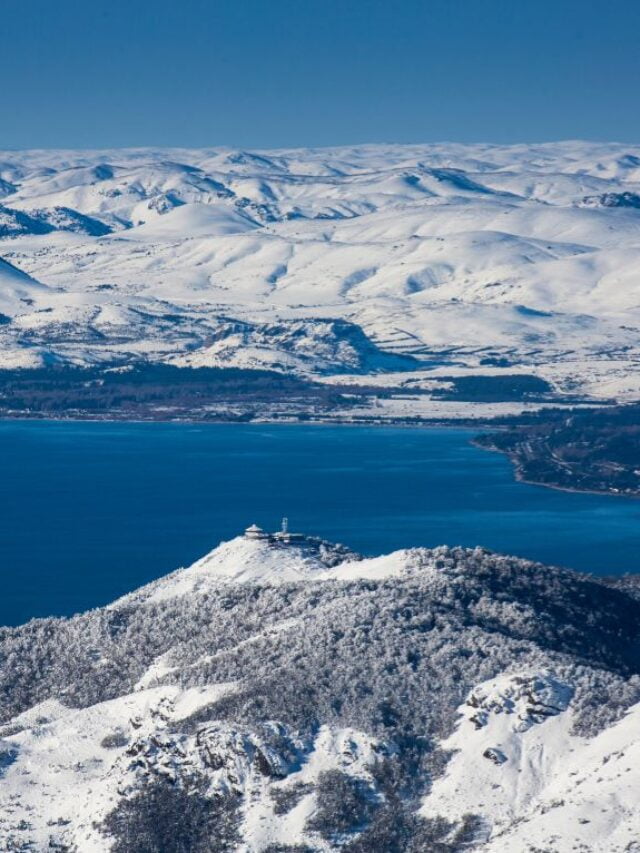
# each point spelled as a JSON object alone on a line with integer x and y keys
{"x": 285, "y": 694}
{"x": 472, "y": 257}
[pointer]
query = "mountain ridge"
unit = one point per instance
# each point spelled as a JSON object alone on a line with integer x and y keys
{"x": 285, "y": 692}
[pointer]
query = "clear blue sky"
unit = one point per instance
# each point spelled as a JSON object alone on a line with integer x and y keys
{"x": 268, "y": 73}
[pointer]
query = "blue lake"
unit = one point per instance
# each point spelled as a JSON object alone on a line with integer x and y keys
{"x": 89, "y": 511}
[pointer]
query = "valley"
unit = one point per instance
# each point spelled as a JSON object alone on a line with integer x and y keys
{"x": 320, "y": 427}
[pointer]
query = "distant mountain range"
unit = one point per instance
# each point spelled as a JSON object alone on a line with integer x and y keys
{"x": 324, "y": 262}
{"x": 288, "y": 695}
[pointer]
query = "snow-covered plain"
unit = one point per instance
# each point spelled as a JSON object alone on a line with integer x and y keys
{"x": 520, "y": 257}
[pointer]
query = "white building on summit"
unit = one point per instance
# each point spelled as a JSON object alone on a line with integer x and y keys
{"x": 283, "y": 535}
{"x": 255, "y": 532}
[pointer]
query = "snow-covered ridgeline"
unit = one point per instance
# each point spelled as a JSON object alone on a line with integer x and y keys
{"x": 472, "y": 255}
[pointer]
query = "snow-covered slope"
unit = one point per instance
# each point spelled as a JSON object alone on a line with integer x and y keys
{"x": 248, "y": 561}
{"x": 534, "y": 780}
{"x": 286, "y": 694}
{"x": 464, "y": 254}
{"x": 18, "y": 291}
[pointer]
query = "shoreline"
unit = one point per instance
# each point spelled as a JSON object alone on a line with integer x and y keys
{"x": 465, "y": 437}
{"x": 520, "y": 478}
{"x": 477, "y": 425}
{"x": 480, "y": 424}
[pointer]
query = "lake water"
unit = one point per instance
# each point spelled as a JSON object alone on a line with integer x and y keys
{"x": 89, "y": 511}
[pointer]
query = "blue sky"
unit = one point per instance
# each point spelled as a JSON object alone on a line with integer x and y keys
{"x": 275, "y": 73}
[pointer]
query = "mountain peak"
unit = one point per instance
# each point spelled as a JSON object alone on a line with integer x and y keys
{"x": 254, "y": 557}
{"x": 255, "y": 693}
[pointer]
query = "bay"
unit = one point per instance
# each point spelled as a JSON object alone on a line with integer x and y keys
{"x": 89, "y": 511}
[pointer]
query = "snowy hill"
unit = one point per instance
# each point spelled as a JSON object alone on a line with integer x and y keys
{"x": 464, "y": 255}
{"x": 18, "y": 291}
{"x": 285, "y": 694}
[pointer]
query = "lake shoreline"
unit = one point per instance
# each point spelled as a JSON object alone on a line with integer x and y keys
{"x": 520, "y": 478}
{"x": 453, "y": 423}
{"x": 481, "y": 425}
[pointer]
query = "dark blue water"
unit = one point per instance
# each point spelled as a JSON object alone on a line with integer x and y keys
{"x": 89, "y": 511}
